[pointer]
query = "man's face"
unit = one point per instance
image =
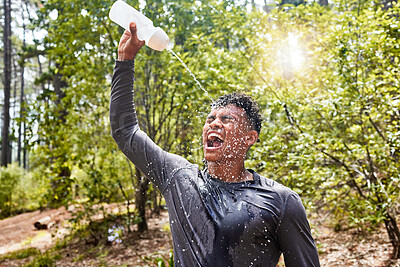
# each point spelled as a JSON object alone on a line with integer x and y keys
{"x": 225, "y": 134}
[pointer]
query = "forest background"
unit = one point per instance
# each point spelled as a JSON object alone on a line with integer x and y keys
{"x": 325, "y": 74}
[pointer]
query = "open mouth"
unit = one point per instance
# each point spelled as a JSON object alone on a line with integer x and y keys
{"x": 214, "y": 141}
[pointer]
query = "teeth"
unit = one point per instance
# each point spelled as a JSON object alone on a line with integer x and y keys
{"x": 212, "y": 135}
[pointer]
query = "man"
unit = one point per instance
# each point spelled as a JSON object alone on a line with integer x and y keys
{"x": 225, "y": 215}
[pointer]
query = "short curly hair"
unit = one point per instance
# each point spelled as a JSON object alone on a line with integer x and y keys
{"x": 245, "y": 102}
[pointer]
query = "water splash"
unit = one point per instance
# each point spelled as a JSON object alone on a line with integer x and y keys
{"x": 191, "y": 74}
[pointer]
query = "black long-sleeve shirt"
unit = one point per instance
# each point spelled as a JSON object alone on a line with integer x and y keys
{"x": 213, "y": 223}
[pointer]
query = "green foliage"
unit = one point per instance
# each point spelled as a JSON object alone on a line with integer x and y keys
{"x": 160, "y": 260}
{"x": 332, "y": 127}
{"x": 326, "y": 79}
{"x": 20, "y": 254}
{"x": 20, "y": 190}
{"x": 74, "y": 149}
{"x": 73, "y": 119}
{"x": 43, "y": 260}
{"x": 101, "y": 224}
{"x": 8, "y": 180}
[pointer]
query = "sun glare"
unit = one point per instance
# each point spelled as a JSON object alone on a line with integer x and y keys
{"x": 295, "y": 51}
{"x": 290, "y": 55}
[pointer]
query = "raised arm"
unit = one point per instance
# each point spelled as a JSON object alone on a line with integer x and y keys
{"x": 155, "y": 163}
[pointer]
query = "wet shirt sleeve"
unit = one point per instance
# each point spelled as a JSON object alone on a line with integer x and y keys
{"x": 294, "y": 235}
{"x": 152, "y": 161}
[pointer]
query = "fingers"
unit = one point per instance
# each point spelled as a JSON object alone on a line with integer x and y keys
{"x": 129, "y": 45}
{"x": 124, "y": 38}
{"x": 132, "y": 27}
{"x": 133, "y": 33}
{"x": 128, "y": 34}
{"x": 134, "y": 38}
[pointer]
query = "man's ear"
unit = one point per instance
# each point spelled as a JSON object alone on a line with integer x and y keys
{"x": 251, "y": 137}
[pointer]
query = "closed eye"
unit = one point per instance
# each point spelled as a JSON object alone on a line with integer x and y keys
{"x": 224, "y": 119}
{"x": 210, "y": 119}
{"x": 227, "y": 119}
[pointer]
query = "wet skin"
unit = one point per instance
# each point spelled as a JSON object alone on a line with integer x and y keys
{"x": 227, "y": 135}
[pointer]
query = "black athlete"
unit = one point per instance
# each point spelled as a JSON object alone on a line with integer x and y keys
{"x": 225, "y": 215}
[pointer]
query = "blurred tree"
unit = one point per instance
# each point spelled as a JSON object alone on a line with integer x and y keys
{"x": 71, "y": 111}
{"x": 9, "y": 178}
{"x": 5, "y": 130}
{"x": 21, "y": 135}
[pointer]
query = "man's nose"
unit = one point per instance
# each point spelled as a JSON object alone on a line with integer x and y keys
{"x": 217, "y": 123}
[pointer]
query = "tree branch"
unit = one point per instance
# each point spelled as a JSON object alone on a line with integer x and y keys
{"x": 377, "y": 129}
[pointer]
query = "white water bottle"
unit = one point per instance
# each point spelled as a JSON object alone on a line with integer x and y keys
{"x": 154, "y": 37}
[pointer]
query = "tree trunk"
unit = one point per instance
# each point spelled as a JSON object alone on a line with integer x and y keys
{"x": 128, "y": 204}
{"x": 142, "y": 184}
{"x": 253, "y": 5}
{"x": 394, "y": 235}
{"x": 59, "y": 85}
{"x": 60, "y": 184}
{"x": 21, "y": 99}
{"x": 156, "y": 206}
{"x": 5, "y": 141}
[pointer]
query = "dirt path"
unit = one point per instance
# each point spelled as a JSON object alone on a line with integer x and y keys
{"x": 136, "y": 249}
{"x": 18, "y": 231}
{"x": 352, "y": 248}
{"x": 344, "y": 248}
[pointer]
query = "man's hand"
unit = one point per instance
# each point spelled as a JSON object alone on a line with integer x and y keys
{"x": 129, "y": 45}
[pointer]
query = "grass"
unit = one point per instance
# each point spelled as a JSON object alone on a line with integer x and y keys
{"x": 39, "y": 259}
{"x": 43, "y": 260}
{"x": 46, "y": 259}
{"x": 79, "y": 258}
{"x": 20, "y": 254}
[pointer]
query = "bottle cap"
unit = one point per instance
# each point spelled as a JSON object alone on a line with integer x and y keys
{"x": 159, "y": 40}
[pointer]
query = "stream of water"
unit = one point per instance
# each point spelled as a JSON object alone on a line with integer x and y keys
{"x": 191, "y": 74}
